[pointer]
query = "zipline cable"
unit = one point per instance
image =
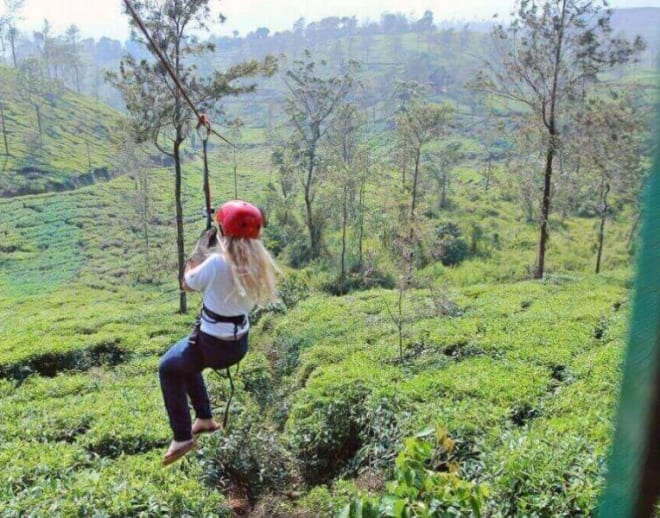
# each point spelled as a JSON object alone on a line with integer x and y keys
{"x": 168, "y": 67}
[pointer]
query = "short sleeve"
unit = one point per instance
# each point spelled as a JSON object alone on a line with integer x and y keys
{"x": 200, "y": 277}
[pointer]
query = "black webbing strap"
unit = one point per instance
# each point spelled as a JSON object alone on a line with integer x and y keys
{"x": 231, "y": 395}
{"x": 238, "y": 321}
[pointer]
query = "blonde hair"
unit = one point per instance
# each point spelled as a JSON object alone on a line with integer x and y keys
{"x": 254, "y": 270}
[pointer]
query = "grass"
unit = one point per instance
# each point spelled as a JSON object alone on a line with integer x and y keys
{"x": 522, "y": 374}
{"x": 76, "y": 145}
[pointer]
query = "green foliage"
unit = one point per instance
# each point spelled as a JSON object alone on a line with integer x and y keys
{"x": 524, "y": 374}
{"x": 77, "y": 145}
{"x": 426, "y": 484}
{"x": 249, "y": 456}
{"x": 449, "y": 247}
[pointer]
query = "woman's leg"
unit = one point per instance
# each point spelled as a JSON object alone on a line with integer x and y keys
{"x": 178, "y": 366}
{"x": 199, "y": 397}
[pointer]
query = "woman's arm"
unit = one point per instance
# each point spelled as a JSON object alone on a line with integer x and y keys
{"x": 199, "y": 254}
{"x": 188, "y": 266}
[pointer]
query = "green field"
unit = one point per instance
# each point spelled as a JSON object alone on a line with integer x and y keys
{"x": 56, "y": 139}
{"x": 493, "y": 395}
{"x": 521, "y": 374}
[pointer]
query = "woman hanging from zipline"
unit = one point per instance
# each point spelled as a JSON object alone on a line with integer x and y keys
{"x": 235, "y": 272}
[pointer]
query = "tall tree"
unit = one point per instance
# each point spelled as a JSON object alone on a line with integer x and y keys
{"x": 159, "y": 109}
{"x": 72, "y": 53}
{"x": 45, "y": 40}
{"x": 348, "y": 162}
{"x": 612, "y": 145}
{"x": 315, "y": 96}
{"x": 552, "y": 52}
{"x": 30, "y": 85}
{"x": 12, "y": 8}
{"x": 419, "y": 122}
{"x": 442, "y": 165}
{"x": 4, "y": 128}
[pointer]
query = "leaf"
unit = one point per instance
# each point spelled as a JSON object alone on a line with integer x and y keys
{"x": 427, "y": 432}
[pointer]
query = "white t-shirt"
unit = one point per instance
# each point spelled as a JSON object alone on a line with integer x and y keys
{"x": 221, "y": 295}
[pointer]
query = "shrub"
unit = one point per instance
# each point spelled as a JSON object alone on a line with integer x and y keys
{"x": 293, "y": 288}
{"x": 449, "y": 247}
{"x": 324, "y": 429}
{"x": 426, "y": 484}
{"x": 250, "y": 457}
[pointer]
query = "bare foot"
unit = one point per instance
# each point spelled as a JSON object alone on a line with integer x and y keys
{"x": 177, "y": 450}
{"x": 204, "y": 426}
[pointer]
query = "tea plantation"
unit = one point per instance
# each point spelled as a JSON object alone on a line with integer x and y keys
{"x": 501, "y": 404}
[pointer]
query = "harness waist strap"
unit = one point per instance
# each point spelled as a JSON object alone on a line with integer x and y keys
{"x": 214, "y": 318}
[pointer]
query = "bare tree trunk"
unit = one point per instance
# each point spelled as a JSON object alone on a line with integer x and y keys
{"x": 361, "y": 232}
{"x": 4, "y": 128}
{"x": 443, "y": 190}
{"x": 314, "y": 238}
{"x": 604, "y": 191}
{"x": 545, "y": 211}
{"x": 489, "y": 169}
{"x": 12, "y": 37}
{"x": 550, "y": 123}
{"x": 402, "y": 290}
{"x": 404, "y": 165}
{"x": 183, "y": 305}
{"x": 38, "y": 112}
{"x": 344, "y": 223}
{"x": 77, "y": 78}
{"x": 145, "y": 222}
{"x": 89, "y": 156}
{"x": 413, "y": 206}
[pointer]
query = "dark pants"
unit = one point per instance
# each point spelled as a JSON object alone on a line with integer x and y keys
{"x": 180, "y": 373}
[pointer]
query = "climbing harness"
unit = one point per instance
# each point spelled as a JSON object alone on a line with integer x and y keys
{"x": 239, "y": 322}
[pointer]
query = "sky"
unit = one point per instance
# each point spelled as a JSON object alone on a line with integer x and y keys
{"x": 96, "y": 18}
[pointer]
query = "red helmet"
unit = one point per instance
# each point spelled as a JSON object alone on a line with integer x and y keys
{"x": 239, "y": 219}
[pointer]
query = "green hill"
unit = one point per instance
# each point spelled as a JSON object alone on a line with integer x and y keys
{"x": 489, "y": 389}
{"x": 521, "y": 375}
{"x": 53, "y": 139}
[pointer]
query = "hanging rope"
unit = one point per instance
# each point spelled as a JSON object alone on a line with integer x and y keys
{"x": 235, "y": 177}
{"x": 205, "y": 126}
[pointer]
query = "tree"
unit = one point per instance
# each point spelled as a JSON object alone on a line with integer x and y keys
{"x": 315, "y": 97}
{"x": 159, "y": 110}
{"x": 348, "y": 159}
{"x": 4, "y": 128}
{"x": 12, "y": 7}
{"x": 419, "y": 122}
{"x": 552, "y": 52}
{"x": 45, "y": 40}
{"x": 612, "y": 145}
{"x": 4, "y": 36}
{"x": 72, "y": 53}
{"x": 30, "y": 85}
{"x": 441, "y": 167}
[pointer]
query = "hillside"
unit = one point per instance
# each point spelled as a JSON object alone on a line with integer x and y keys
{"x": 504, "y": 365}
{"x": 463, "y": 389}
{"x": 52, "y": 138}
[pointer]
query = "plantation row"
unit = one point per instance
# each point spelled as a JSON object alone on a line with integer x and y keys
{"x": 322, "y": 397}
